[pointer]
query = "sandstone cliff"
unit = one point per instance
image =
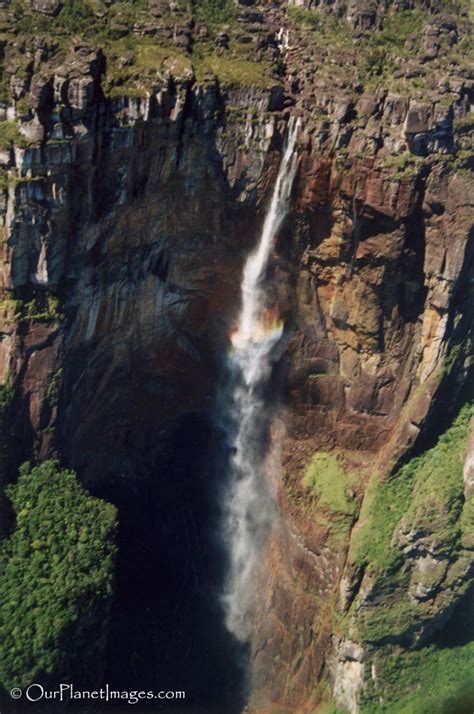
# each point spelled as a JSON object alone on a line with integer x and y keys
{"x": 139, "y": 144}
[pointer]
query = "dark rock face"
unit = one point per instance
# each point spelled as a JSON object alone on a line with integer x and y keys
{"x": 147, "y": 324}
{"x": 365, "y": 14}
{"x": 137, "y": 211}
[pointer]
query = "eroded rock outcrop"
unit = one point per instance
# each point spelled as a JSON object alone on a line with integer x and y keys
{"x": 134, "y": 184}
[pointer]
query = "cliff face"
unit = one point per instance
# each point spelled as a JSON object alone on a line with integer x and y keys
{"x": 136, "y": 170}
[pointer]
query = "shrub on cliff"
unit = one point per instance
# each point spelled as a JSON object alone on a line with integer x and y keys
{"x": 56, "y": 587}
{"x": 10, "y": 134}
{"x": 6, "y": 396}
{"x": 212, "y": 11}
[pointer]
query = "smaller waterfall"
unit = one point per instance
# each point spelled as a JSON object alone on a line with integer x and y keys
{"x": 248, "y": 505}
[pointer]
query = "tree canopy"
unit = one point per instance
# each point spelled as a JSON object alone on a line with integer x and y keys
{"x": 57, "y": 577}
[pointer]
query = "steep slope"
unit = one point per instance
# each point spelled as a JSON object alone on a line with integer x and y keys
{"x": 137, "y": 160}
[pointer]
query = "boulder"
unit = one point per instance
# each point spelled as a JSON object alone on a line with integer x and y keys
{"x": 46, "y": 7}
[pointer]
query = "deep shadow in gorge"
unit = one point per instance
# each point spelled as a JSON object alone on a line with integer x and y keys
{"x": 167, "y": 627}
{"x": 167, "y": 630}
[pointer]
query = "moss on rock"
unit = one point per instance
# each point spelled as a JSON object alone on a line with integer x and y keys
{"x": 331, "y": 483}
{"x": 413, "y": 544}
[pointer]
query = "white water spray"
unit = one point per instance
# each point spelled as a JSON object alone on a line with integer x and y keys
{"x": 249, "y": 507}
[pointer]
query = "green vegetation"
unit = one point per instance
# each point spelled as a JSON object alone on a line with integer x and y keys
{"x": 397, "y": 29}
{"x": 331, "y": 503}
{"x": 461, "y": 162}
{"x": 52, "y": 393}
{"x": 147, "y": 60}
{"x": 37, "y": 306}
{"x": 374, "y": 58}
{"x": 10, "y": 135}
{"x": 461, "y": 351}
{"x": 213, "y": 12}
{"x": 94, "y": 20}
{"x": 382, "y": 508}
{"x": 379, "y": 53}
{"x": 73, "y": 17}
{"x": 427, "y": 493}
{"x": 326, "y": 30}
{"x": 384, "y": 47}
{"x": 331, "y": 483}
{"x": 406, "y": 164}
{"x": 41, "y": 308}
{"x": 6, "y": 394}
{"x": 232, "y": 71}
{"x": 331, "y": 709}
{"x": 377, "y": 58}
{"x": 6, "y": 398}
{"x": 57, "y": 570}
{"x": 426, "y": 681}
{"x": 424, "y": 497}
{"x": 373, "y": 63}
{"x": 10, "y": 178}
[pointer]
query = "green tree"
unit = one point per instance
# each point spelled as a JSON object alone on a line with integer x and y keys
{"x": 6, "y": 396}
{"x": 57, "y": 579}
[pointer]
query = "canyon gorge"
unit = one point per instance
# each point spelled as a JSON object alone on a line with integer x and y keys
{"x": 141, "y": 144}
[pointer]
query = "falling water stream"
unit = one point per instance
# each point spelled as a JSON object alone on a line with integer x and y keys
{"x": 249, "y": 506}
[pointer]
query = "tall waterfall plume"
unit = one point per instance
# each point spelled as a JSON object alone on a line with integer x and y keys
{"x": 248, "y": 507}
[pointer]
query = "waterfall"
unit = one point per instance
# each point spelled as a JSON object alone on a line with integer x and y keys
{"x": 248, "y": 505}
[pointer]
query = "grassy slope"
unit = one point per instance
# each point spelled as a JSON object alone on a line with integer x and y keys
{"x": 427, "y": 492}
{"x": 427, "y": 681}
{"x": 425, "y": 495}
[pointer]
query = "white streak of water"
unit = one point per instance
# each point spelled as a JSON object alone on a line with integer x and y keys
{"x": 249, "y": 508}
